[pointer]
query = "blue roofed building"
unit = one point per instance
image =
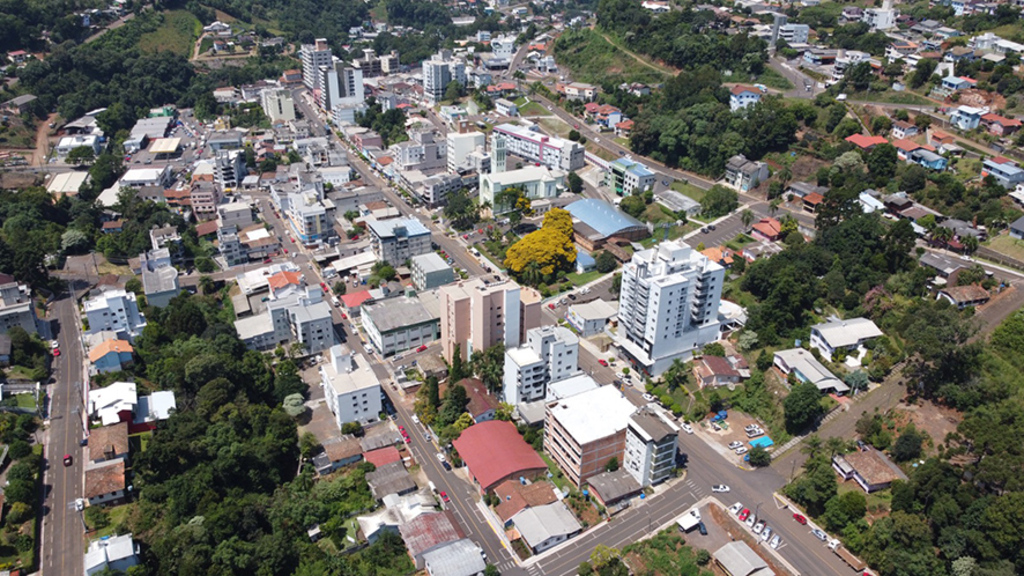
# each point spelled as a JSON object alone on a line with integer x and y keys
{"x": 397, "y": 240}
{"x": 628, "y": 176}
{"x": 928, "y": 159}
{"x": 1006, "y": 172}
{"x": 585, "y": 262}
{"x": 595, "y": 223}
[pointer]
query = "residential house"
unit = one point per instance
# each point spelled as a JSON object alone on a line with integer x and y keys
{"x": 870, "y": 469}
{"x": 966, "y": 117}
{"x": 964, "y": 296}
{"x": 768, "y": 229}
{"x": 119, "y": 402}
{"x": 719, "y": 255}
{"x": 1017, "y": 228}
{"x": 743, "y": 174}
{"x": 956, "y": 83}
{"x": 902, "y": 129}
{"x": 110, "y": 356}
{"x": 1006, "y": 173}
{"x": 741, "y": 97}
{"x": 715, "y": 371}
{"x": 105, "y": 482}
{"x": 806, "y": 368}
{"x": 111, "y": 553}
{"x": 429, "y": 532}
{"x": 928, "y": 159}
{"x": 843, "y": 336}
{"x": 999, "y": 125}
{"x": 543, "y": 527}
{"x": 624, "y": 129}
{"x": 866, "y": 143}
{"x": 338, "y": 452}
{"x": 481, "y": 406}
{"x": 108, "y": 442}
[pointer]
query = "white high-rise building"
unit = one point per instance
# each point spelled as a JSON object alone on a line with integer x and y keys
{"x": 651, "y": 442}
{"x": 343, "y": 86}
{"x": 881, "y": 19}
{"x": 350, "y": 387}
{"x": 439, "y": 71}
{"x": 116, "y": 311}
{"x": 278, "y": 105}
{"x": 550, "y": 354}
{"x": 553, "y": 152}
{"x": 460, "y": 146}
{"x": 668, "y": 306}
{"x": 314, "y": 56}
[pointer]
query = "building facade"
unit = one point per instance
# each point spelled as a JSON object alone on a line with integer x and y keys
{"x": 350, "y": 387}
{"x": 116, "y": 311}
{"x": 397, "y": 240}
{"x": 651, "y": 444}
{"x": 481, "y": 312}
{"x": 555, "y": 153}
{"x": 550, "y": 354}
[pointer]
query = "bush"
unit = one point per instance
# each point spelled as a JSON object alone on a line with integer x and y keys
{"x": 703, "y": 557}
{"x": 96, "y": 517}
{"x": 19, "y": 512}
{"x": 759, "y": 457}
{"x": 20, "y": 449}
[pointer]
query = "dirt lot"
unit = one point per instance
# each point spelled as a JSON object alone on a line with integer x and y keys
{"x": 936, "y": 421}
{"x": 732, "y": 430}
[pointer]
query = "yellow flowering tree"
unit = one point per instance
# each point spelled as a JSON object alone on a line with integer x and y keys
{"x": 543, "y": 253}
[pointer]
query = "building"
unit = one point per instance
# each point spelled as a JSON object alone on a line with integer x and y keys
{"x": 668, "y": 306}
{"x": 159, "y": 282}
{"x": 481, "y": 405}
{"x": 584, "y": 431}
{"x": 67, "y": 184}
{"x": 422, "y": 151}
{"x": 18, "y": 104}
{"x": 543, "y": 527}
{"x": 1017, "y": 228}
{"x": 999, "y": 125}
{"x": 481, "y": 312}
{"x": 741, "y": 97}
{"x": 298, "y": 316}
{"x": 429, "y": 532}
{"x": 578, "y": 91}
{"x": 494, "y": 451}
{"x": 843, "y": 336}
{"x": 743, "y": 174}
{"x": 902, "y": 130}
{"x": 611, "y": 488}
{"x": 398, "y": 324}
{"x": 338, "y": 452}
{"x": 555, "y": 153}
{"x": 651, "y": 443}
{"x": 628, "y": 176}
{"x": 111, "y": 553}
{"x": 119, "y": 402}
{"x": 794, "y": 33}
{"x": 881, "y": 19}
{"x": 108, "y": 442}
{"x": 390, "y": 478}
{"x": 1005, "y": 172}
{"x": 430, "y": 271}
{"x": 506, "y": 107}
{"x": 715, "y": 371}
{"x": 278, "y": 105}
{"x": 806, "y": 368}
{"x": 966, "y": 117}
{"x": 536, "y": 182}
{"x": 870, "y": 469}
{"x": 117, "y": 311}
{"x": 737, "y": 558}
{"x": 16, "y": 306}
{"x": 110, "y": 356}
{"x": 234, "y": 214}
{"x": 459, "y": 558}
{"x": 105, "y": 482}
{"x": 442, "y": 69}
{"x": 591, "y": 317}
{"x": 68, "y": 143}
{"x": 597, "y": 223}
{"x": 550, "y": 354}
{"x": 964, "y": 296}
{"x": 314, "y": 56}
{"x": 350, "y": 386}
{"x": 866, "y": 143}
{"x": 397, "y": 240}
{"x": 460, "y": 145}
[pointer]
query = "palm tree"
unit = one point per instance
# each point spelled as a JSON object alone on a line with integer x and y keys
{"x": 835, "y": 445}
{"x": 785, "y": 175}
{"x": 773, "y": 206}
{"x": 942, "y": 235}
{"x": 812, "y": 446}
{"x": 747, "y": 217}
{"x": 532, "y": 274}
{"x": 970, "y": 244}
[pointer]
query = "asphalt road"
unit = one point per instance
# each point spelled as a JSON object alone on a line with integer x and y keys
{"x": 62, "y": 534}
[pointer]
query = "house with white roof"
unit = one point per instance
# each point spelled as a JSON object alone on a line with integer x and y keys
{"x": 806, "y": 368}
{"x": 846, "y": 336}
{"x": 111, "y": 553}
{"x": 967, "y": 117}
{"x": 117, "y": 311}
{"x": 543, "y": 527}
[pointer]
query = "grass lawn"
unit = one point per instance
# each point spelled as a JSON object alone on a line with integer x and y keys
{"x": 1009, "y": 246}
{"x": 26, "y": 401}
{"x": 585, "y": 278}
{"x": 879, "y": 501}
{"x": 17, "y": 135}
{"x": 892, "y": 97}
{"x": 966, "y": 169}
{"x": 738, "y": 243}
{"x": 176, "y": 34}
{"x": 624, "y": 142}
{"x": 554, "y": 126}
{"x": 595, "y": 148}
{"x": 773, "y": 79}
{"x": 379, "y": 12}
{"x": 556, "y": 474}
{"x": 687, "y": 189}
{"x": 533, "y": 109}
{"x": 521, "y": 101}
{"x": 116, "y": 518}
{"x": 205, "y": 45}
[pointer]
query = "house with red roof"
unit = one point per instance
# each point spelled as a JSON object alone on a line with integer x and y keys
{"x": 624, "y": 128}
{"x": 812, "y": 201}
{"x": 768, "y": 229}
{"x": 284, "y": 282}
{"x": 715, "y": 371}
{"x": 741, "y": 96}
{"x": 999, "y": 125}
{"x": 481, "y": 406}
{"x": 354, "y": 300}
{"x": 866, "y": 142}
{"x": 494, "y": 451}
{"x": 382, "y": 456}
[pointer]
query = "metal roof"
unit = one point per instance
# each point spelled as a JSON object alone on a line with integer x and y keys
{"x": 602, "y": 217}
{"x": 540, "y": 523}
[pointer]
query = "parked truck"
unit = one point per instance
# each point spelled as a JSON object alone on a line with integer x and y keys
{"x": 688, "y": 521}
{"x": 854, "y": 562}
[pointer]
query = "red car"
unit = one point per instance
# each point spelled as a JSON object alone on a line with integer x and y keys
{"x": 68, "y": 461}
{"x": 421, "y": 348}
{"x": 323, "y": 285}
{"x": 285, "y": 250}
{"x": 267, "y": 261}
{"x": 444, "y": 496}
{"x": 744, "y": 514}
{"x": 799, "y": 518}
{"x": 56, "y": 351}
{"x": 293, "y": 240}
{"x": 602, "y": 362}
{"x": 552, "y": 306}
{"x": 401, "y": 429}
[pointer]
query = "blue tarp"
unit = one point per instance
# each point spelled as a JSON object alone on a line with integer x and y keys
{"x": 763, "y": 442}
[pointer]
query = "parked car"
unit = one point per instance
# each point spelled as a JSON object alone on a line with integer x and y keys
{"x": 720, "y": 488}
{"x": 415, "y": 418}
{"x": 440, "y": 457}
{"x": 649, "y": 397}
{"x": 819, "y": 534}
{"x": 444, "y": 496}
{"x": 741, "y": 451}
{"x": 56, "y": 351}
{"x": 447, "y": 466}
{"x": 602, "y": 362}
{"x": 711, "y": 226}
{"x": 687, "y": 428}
{"x": 800, "y": 519}
{"x": 421, "y": 348}
{"x": 702, "y": 528}
{"x": 775, "y": 542}
{"x": 734, "y": 445}
{"x": 735, "y": 508}
{"x": 744, "y": 514}
{"x": 759, "y": 526}
{"x": 766, "y": 533}
{"x": 750, "y": 521}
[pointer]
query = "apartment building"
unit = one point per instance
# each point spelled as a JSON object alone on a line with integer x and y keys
{"x": 550, "y": 354}
{"x": 582, "y": 433}
{"x": 422, "y": 151}
{"x": 116, "y": 311}
{"x": 350, "y": 387}
{"x": 204, "y": 197}
{"x": 668, "y": 306}
{"x": 651, "y": 443}
{"x": 303, "y": 317}
{"x": 398, "y": 239}
{"x": 481, "y": 312}
{"x": 438, "y": 72}
{"x": 314, "y": 56}
{"x": 278, "y": 104}
{"x": 430, "y": 271}
{"x": 16, "y": 306}
{"x": 627, "y": 175}
{"x": 555, "y": 153}
{"x": 460, "y": 145}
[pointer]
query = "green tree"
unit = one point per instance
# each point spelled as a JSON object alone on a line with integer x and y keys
{"x": 718, "y": 201}
{"x": 759, "y": 457}
{"x": 81, "y": 156}
{"x": 453, "y": 91}
{"x": 881, "y": 162}
{"x": 574, "y": 182}
{"x": 802, "y": 407}
{"x": 309, "y": 446}
{"x": 908, "y": 444}
{"x": 633, "y": 205}
{"x": 612, "y": 465}
{"x": 605, "y": 262}
{"x": 457, "y": 371}
{"x": 454, "y": 405}
{"x": 714, "y": 349}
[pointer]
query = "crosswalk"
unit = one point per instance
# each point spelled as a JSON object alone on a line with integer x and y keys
{"x": 534, "y": 570}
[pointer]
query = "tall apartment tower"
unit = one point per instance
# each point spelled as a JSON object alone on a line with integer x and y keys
{"x": 343, "y": 85}
{"x": 669, "y": 305}
{"x": 313, "y": 57}
{"x": 479, "y": 313}
{"x": 550, "y": 354}
{"x": 439, "y": 71}
{"x": 499, "y": 154}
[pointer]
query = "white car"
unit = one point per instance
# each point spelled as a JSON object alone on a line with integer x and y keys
{"x": 649, "y": 397}
{"x": 750, "y": 521}
{"x": 79, "y": 504}
{"x": 766, "y": 533}
{"x": 735, "y": 508}
{"x": 720, "y": 488}
{"x": 741, "y": 451}
{"x": 440, "y": 457}
{"x": 775, "y": 542}
{"x": 54, "y": 345}
{"x": 415, "y": 418}
{"x": 759, "y": 526}
{"x": 687, "y": 428}
{"x": 734, "y": 445}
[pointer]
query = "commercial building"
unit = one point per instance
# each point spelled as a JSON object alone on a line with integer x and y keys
{"x": 399, "y": 239}
{"x": 116, "y": 311}
{"x": 668, "y": 306}
{"x": 460, "y": 145}
{"x": 794, "y": 33}
{"x": 651, "y": 442}
{"x": 278, "y": 104}
{"x": 494, "y": 451}
{"x": 481, "y": 312}
{"x": 550, "y": 354}
{"x": 298, "y": 316}
{"x": 442, "y": 69}
{"x": 583, "y": 432}
{"x": 739, "y": 559}
{"x": 67, "y": 184}
{"x": 68, "y": 143}
{"x": 531, "y": 145}
{"x": 844, "y": 336}
{"x": 627, "y": 176}
{"x": 591, "y": 317}
{"x": 350, "y": 387}
{"x": 537, "y": 183}
{"x": 430, "y": 271}
{"x": 16, "y": 306}
{"x": 596, "y": 223}
{"x": 398, "y": 324}
{"x": 314, "y": 56}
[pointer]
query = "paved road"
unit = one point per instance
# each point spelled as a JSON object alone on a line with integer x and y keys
{"x": 62, "y": 539}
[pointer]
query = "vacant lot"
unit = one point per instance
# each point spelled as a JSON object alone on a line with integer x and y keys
{"x": 177, "y": 34}
{"x": 1009, "y": 246}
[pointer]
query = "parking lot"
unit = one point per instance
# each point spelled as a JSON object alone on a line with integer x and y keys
{"x": 732, "y": 434}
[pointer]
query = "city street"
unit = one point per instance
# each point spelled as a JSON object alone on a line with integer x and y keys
{"x": 62, "y": 544}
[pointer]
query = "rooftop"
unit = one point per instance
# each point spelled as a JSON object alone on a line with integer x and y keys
{"x": 429, "y": 262}
{"x": 738, "y": 559}
{"x": 104, "y": 478}
{"x": 460, "y": 558}
{"x": 382, "y": 456}
{"x": 614, "y": 486}
{"x": 108, "y": 346}
{"x": 527, "y": 173}
{"x": 594, "y": 414}
{"x": 494, "y": 450}
{"x": 539, "y": 523}
{"x": 396, "y": 313}
{"x": 390, "y": 478}
{"x": 849, "y": 332}
{"x": 515, "y": 496}
{"x": 602, "y": 217}
{"x": 966, "y": 294}
{"x": 873, "y": 466}
{"x": 805, "y": 363}
{"x": 595, "y": 310}
{"x": 397, "y": 227}
{"x": 347, "y": 371}
{"x": 429, "y": 531}
{"x": 106, "y": 440}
